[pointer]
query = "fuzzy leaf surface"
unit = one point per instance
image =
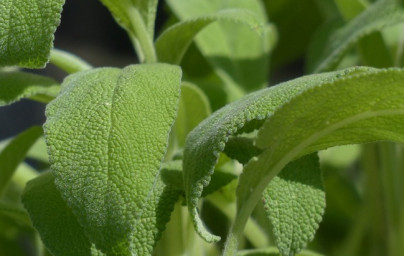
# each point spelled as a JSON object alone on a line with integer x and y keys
{"x": 107, "y": 134}
{"x": 181, "y": 35}
{"x": 207, "y": 140}
{"x": 14, "y": 153}
{"x": 357, "y": 108}
{"x": 294, "y": 201}
{"x": 17, "y": 85}
{"x": 378, "y": 16}
{"x": 54, "y": 220}
{"x": 238, "y": 54}
{"x": 26, "y": 31}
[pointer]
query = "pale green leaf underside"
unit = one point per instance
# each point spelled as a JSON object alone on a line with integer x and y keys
{"x": 17, "y": 85}
{"x": 378, "y": 16}
{"x": 173, "y": 43}
{"x": 26, "y": 31}
{"x": 54, "y": 220}
{"x": 107, "y": 133}
{"x": 358, "y": 108}
{"x": 294, "y": 201}
{"x": 208, "y": 139}
{"x": 238, "y": 54}
{"x": 14, "y": 153}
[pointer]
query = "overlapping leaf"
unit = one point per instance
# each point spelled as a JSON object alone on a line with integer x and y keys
{"x": 26, "y": 31}
{"x": 238, "y": 54}
{"x": 357, "y": 108}
{"x": 378, "y": 16}
{"x": 17, "y": 85}
{"x": 54, "y": 220}
{"x": 107, "y": 133}
{"x": 207, "y": 140}
{"x": 294, "y": 202}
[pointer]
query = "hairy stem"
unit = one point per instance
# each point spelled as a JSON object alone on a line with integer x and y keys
{"x": 68, "y": 62}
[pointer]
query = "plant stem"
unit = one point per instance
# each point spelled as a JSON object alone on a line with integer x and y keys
{"x": 68, "y": 62}
{"x": 140, "y": 38}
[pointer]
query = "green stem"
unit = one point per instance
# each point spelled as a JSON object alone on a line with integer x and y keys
{"x": 68, "y": 62}
{"x": 140, "y": 38}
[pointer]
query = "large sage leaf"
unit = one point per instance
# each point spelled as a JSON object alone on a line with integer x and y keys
{"x": 238, "y": 54}
{"x": 107, "y": 133}
{"x": 54, "y": 220}
{"x": 181, "y": 35}
{"x": 26, "y": 31}
{"x": 357, "y": 108}
{"x": 207, "y": 140}
{"x": 15, "y": 151}
{"x": 17, "y": 85}
{"x": 378, "y": 16}
{"x": 294, "y": 202}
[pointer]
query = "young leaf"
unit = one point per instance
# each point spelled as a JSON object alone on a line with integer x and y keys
{"x": 358, "y": 108}
{"x": 17, "y": 85}
{"x": 238, "y": 54}
{"x": 208, "y": 139}
{"x": 193, "y": 108}
{"x": 15, "y": 152}
{"x": 26, "y": 31}
{"x": 181, "y": 35}
{"x": 294, "y": 202}
{"x": 378, "y": 16}
{"x": 107, "y": 133}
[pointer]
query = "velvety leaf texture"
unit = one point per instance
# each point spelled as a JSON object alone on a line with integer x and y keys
{"x": 208, "y": 139}
{"x": 238, "y": 54}
{"x": 378, "y": 16}
{"x": 294, "y": 201}
{"x": 107, "y": 133}
{"x": 26, "y": 31}
{"x": 54, "y": 220}
{"x": 17, "y": 85}
{"x": 356, "y": 108}
{"x": 182, "y": 34}
{"x": 15, "y": 151}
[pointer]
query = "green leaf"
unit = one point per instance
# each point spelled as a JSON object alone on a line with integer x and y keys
{"x": 15, "y": 152}
{"x": 378, "y": 16}
{"x": 272, "y": 251}
{"x": 54, "y": 220}
{"x": 17, "y": 85}
{"x": 294, "y": 201}
{"x": 356, "y": 108}
{"x": 26, "y": 31}
{"x": 193, "y": 108}
{"x": 238, "y": 54}
{"x": 121, "y": 9}
{"x": 14, "y": 212}
{"x": 173, "y": 43}
{"x": 107, "y": 133}
{"x": 207, "y": 140}
{"x": 241, "y": 148}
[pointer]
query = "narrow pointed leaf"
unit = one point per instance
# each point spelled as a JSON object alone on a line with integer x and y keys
{"x": 17, "y": 85}
{"x": 294, "y": 201}
{"x": 207, "y": 140}
{"x": 26, "y": 31}
{"x": 238, "y": 54}
{"x": 54, "y": 220}
{"x": 358, "y": 108}
{"x": 378, "y": 16}
{"x": 12, "y": 155}
{"x": 181, "y": 35}
{"x": 107, "y": 133}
